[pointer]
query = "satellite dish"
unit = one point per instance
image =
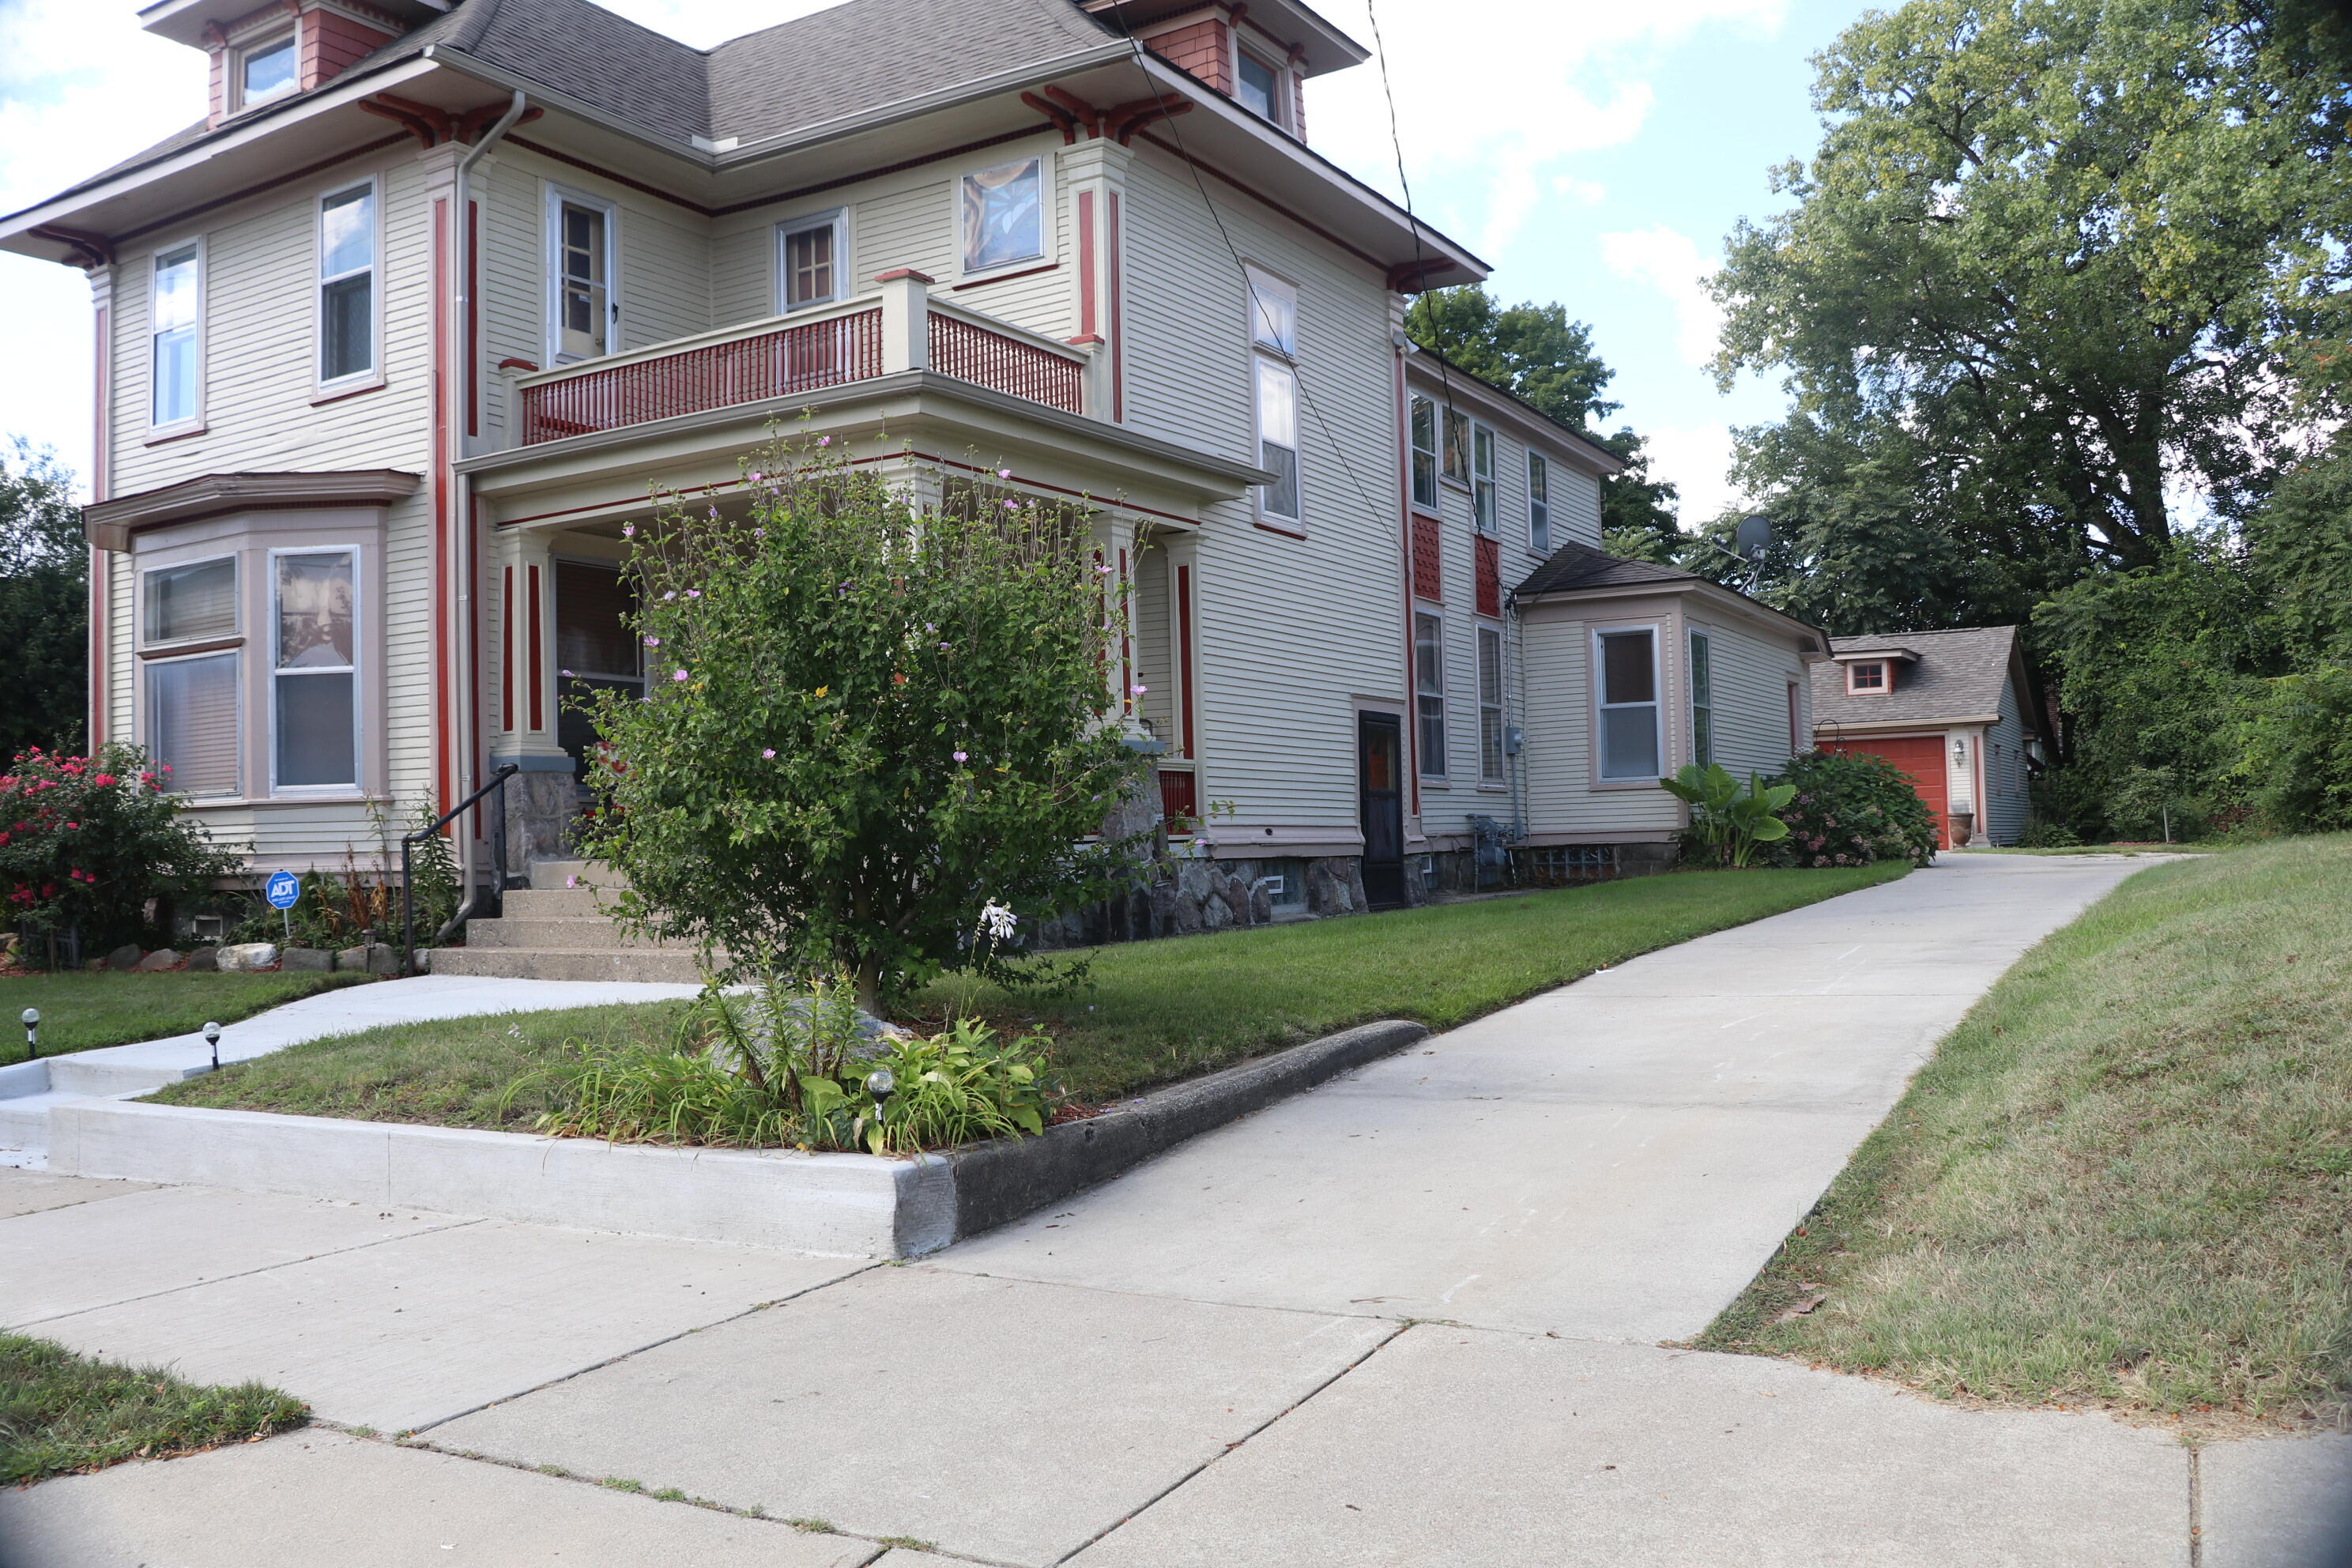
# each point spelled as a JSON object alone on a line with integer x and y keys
{"x": 1754, "y": 538}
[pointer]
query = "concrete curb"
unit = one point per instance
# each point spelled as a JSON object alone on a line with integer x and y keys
{"x": 840, "y": 1203}
{"x": 999, "y": 1182}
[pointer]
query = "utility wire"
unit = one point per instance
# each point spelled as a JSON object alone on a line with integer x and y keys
{"x": 1151, "y": 90}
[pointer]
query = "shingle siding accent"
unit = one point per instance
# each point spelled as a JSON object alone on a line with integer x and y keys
{"x": 1200, "y": 49}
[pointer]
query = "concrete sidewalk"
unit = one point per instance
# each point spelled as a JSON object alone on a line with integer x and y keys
{"x": 1409, "y": 1319}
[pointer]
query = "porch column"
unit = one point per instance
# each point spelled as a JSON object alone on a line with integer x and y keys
{"x": 1113, "y": 546}
{"x": 523, "y": 696}
{"x": 1095, "y": 170}
{"x": 905, "y": 321}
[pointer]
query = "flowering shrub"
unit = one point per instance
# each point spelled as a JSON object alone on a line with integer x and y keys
{"x": 1852, "y": 810}
{"x": 88, "y": 843}
{"x": 861, "y": 725}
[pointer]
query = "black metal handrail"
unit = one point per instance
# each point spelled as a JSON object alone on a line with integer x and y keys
{"x": 470, "y": 908}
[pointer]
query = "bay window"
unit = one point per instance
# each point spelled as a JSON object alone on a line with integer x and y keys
{"x": 315, "y": 719}
{"x": 1490, "y": 705}
{"x": 1424, "y": 454}
{"x": 192, "y": 700}
{"x": 347, "y": 291}
{"x": 176, "y": 312}
{"x": 1626, "y": 669}
{"x": 1428, "y": 691}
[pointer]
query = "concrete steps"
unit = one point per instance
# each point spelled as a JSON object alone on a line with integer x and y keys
{"x": 555, "y": 930}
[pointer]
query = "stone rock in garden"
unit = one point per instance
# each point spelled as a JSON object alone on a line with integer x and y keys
{"x": 162, "y": 958}
{"x": 351, "y": 960}
{"x": 311, "y": 958}
{"x": 203, "y": 961}
{"x": 248, "y": 956}
{"x": 423, "y": 961}
{"x": 126, "y": 957}
{"x": 383, "y": 958}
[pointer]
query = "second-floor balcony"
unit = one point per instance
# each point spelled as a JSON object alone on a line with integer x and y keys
{"x": 829, "y": 346}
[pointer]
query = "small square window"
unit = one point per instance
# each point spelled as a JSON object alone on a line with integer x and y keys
{"x": 1869, "y": 678}
{"x": 269, "y": 71}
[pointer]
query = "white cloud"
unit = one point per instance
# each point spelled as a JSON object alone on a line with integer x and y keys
{"x": 1583, "y": 193}
{"x": 1670, "y": 263}
{"x": 1697, "y": 458}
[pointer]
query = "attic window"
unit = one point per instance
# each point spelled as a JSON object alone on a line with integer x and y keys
{"x": 1258, "y": 86}
{"x": 1875, "y": 679}
{"x": 268, "y": 72}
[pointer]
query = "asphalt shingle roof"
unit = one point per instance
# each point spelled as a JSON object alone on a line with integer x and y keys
{"x": 764, "y": 85}
{"x": 1960, "y": 674}
{"x": 1574, "y": 566}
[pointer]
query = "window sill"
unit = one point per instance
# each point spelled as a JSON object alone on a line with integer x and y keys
{"x": 1624, "y": 783}
{"x": 166, "y": 434}
{"x": 1288, "y": 530}
{"x": 1435, "y": 781}
{"x": 327, "y": 395}
{"x": 1004, "y": 277}
{"x": 189, "y": 650}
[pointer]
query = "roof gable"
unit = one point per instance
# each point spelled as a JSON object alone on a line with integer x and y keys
{"x": 1956, "y": 675}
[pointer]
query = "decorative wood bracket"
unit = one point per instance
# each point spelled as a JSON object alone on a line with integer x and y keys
{"x": 90, "y": 251}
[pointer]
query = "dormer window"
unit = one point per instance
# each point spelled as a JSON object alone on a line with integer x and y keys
{"x": 267, "y": 70}
{"x": 1258, "y": 86}
{"x": 1869, "y": 678}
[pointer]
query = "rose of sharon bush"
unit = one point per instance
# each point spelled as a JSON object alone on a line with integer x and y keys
{"x": 87, "y": 842}
{"x": 865, "y": 724}
{"x": 1852, "y": 810}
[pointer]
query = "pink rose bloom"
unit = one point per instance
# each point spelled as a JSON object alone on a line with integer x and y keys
{"x": 769, "y": 755}
{"x": 679, "y": 676}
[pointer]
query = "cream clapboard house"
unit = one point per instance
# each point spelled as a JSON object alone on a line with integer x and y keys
{"x": 397, "y": 338}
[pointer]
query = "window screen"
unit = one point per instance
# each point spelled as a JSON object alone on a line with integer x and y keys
{"x": 1629, "y": 705}
{"x": 191, "y": 727}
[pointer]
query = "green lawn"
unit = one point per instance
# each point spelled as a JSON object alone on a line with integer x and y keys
{"x": 1148, "y": 1012}
{"x": 60, "y": 1413}
{"x": 2126, "y": 1178}
{"x": 83, "y": 1012}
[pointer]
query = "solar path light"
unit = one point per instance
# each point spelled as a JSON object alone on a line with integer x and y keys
{"x": 212, "y": 1038}
{"x": 32, "y": 1033}
{"x": 881, "y": 1085}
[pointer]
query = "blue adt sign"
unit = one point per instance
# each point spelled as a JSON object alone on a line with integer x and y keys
{"x": 282, "y": 889}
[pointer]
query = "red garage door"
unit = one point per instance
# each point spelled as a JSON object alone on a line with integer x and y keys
{"x": 1922, "y": 757}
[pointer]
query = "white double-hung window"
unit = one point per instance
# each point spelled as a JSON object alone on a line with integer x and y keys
{"x": 1424, "y": 454}
{"x": 1490, "y": 705}
{"x": 1625, "y": 666}
{"x": 582, "y": 310}
{"x": 1273, "y": 335}
{"x": 347, "y": 291}
{"x": 267, "y": 70}
{"x": 1538, "y": 504}
{"x": 1481, "y": 478}
{"x": 1428, "y": 691}
{"x": 175, "y": 308}
{"x": 191, "y": 697}
{"x": 314, "y": 670}
{"x": 1702, "y": 695}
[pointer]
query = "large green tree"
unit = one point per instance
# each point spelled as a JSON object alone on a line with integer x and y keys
{"x": 2052, "y": 268}
{"x": 1547, "y": 361}
{"x": 44, "y": 603}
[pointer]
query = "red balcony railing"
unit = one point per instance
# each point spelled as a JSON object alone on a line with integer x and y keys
{"x": 692, "y": 381}
{"x": 970, "y": 352}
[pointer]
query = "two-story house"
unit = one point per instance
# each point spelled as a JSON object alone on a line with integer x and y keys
{"x": 439, "y": 298}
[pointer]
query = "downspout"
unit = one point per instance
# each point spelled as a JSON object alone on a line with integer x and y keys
{"x": 461, "y": 419}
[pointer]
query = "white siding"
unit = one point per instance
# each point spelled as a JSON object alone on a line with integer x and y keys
{"x": 1752, "y": 672}
{"x": 1561, "y": 798}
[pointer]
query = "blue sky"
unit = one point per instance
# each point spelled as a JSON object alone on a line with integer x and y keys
{"x": 1597, "y": 154}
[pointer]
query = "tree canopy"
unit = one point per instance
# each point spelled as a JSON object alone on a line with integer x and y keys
{"x": 43, "y": 605}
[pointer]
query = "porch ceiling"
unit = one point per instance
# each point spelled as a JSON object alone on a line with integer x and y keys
{"x": 913, "y": 417}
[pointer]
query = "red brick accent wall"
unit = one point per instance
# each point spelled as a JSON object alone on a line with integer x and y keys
{"x": 1489, "y": 556}
{"x": 333, "y": 43}
{"x": 1200, "y": 49}
{"x": 1427, "y": 584}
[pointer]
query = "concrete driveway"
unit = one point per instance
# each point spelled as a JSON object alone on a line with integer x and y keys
{"x": 1411, "y": 1319}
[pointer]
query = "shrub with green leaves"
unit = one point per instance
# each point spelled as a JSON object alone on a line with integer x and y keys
{"x": 1730, "y": 823}
{"x": 2298, "y": 751}
{"x": 1852, "y": 809}
{"x": 863, "y": 725}
{"x": 91, "y": 843}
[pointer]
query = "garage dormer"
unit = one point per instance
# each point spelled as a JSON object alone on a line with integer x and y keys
{"x": 262, "y": 54}
{"x": 1873, "y": 672}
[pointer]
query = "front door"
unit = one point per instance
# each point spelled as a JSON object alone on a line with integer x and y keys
{"x": 1380, "y": 765}
{"x": 594, "y": 648}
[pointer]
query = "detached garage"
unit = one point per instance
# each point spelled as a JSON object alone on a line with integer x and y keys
{"x": 1954, "y": 709}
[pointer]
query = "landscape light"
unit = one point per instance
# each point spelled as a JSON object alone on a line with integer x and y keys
{"x": 212, "y": 1038}
{"x": 32, "y": 1033}
{"x": 881, "y": 1086}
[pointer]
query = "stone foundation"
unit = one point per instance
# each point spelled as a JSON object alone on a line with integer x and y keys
{"x": 540, "y": 807}
{"x": 1185, "y": 895}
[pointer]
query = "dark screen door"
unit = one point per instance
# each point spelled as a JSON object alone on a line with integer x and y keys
{"x": 1380, "y": 765}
